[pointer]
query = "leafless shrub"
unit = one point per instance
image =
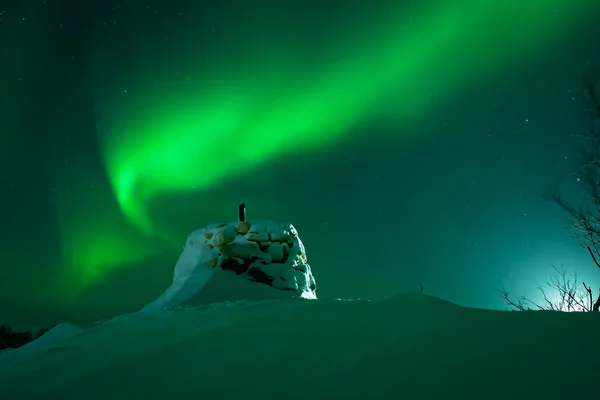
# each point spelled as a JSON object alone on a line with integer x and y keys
{"x": 561, "y": 293}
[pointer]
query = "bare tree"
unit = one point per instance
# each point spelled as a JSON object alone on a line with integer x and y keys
{"x": 584, "y": 219}
{"x": 561, "y": 293}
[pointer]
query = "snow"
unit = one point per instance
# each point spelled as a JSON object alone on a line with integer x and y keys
{"x": 224, "y": 331}
{"x": 411, "y": 346}
{"x": 267, "y": 253}
{"x": 57, "y": 337}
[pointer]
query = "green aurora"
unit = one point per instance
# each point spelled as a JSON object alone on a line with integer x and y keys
{"x": 232, "y": 117}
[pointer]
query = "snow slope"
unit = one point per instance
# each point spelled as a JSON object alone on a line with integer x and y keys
{"x": 408, "y": 347}
{"x": 55, "y": 338}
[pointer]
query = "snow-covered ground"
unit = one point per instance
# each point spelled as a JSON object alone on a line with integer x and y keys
{"x": 411, "y": 346}
{"x": 222, "y": 330}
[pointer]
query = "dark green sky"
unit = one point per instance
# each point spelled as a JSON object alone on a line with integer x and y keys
{"x": 407, "y": 143}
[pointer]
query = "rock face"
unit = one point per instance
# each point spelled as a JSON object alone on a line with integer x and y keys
{"x": 239, "y": 261}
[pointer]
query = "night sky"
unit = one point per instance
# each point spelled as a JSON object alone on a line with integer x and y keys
{"x": 407, "y": 141}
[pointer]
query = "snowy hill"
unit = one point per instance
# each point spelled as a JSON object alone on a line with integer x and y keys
{"x": 408, "y": 347}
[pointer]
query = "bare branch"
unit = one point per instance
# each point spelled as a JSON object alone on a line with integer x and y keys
{"x": 596, "y": 307}
{"x": 593, "y": 256}
{"x": 517, "y": 305}
{"x": 589, "y": 291}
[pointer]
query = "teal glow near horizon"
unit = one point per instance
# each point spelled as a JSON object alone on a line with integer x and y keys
{"x": 197, "y": 135}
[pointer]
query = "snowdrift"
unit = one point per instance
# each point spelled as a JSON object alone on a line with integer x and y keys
{"x": 408, "y": 347}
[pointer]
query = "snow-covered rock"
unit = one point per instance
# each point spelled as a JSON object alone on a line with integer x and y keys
{"x": 239, "y": 261}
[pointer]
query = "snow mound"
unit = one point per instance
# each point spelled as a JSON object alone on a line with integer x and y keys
{"x": 407, "y": 347}
{"x": 55, "y": 338}
{"x": 239, "y": 261}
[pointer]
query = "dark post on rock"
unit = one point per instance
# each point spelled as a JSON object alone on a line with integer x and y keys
{"x": 242, "y": 212}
